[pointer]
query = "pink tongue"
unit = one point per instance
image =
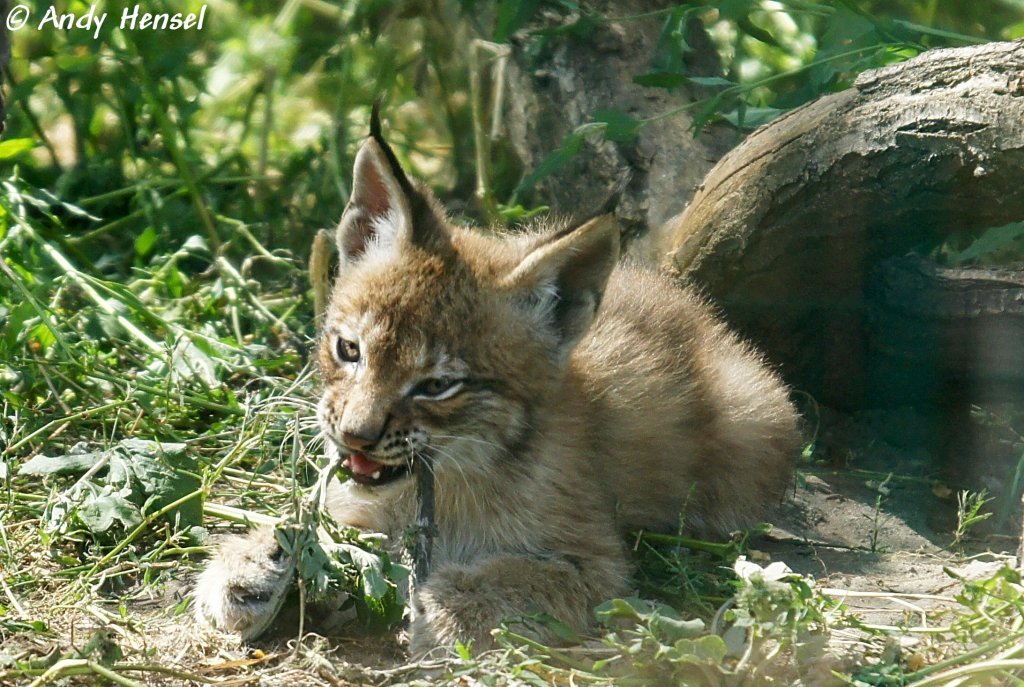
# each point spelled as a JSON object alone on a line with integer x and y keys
{"x": 361, "y": 465}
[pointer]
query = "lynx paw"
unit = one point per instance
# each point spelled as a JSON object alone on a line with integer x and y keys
{"x": 243, "y": 584}
{"x": 460, "y": 603}
{"x": 435, "y": 623}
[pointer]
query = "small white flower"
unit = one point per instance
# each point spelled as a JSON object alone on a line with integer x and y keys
{"x": 748, "y": 570}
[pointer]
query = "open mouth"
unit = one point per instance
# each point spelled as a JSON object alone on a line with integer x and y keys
{"x": 370, "y": 473}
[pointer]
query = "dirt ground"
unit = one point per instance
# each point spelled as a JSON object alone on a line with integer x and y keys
{"x": 875, "y": 518}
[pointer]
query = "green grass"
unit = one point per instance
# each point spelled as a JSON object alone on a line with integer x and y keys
{"x": 157, "y": 204}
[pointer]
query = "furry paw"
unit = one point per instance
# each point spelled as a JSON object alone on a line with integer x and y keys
{"x": 466, "y": 602}
{"x": 243, "y": 585}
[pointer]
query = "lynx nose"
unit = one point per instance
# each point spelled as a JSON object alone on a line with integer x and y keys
{"x": 357, "y": 442}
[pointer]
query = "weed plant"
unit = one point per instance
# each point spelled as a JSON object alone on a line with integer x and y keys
{"x": 157, "y": 203}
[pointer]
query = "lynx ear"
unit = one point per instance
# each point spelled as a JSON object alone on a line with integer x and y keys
{"x": 563, "y": 279}
{"x": 378, "y": 213}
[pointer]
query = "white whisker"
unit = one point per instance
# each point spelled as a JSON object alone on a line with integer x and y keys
{"x": 453, "y": 460}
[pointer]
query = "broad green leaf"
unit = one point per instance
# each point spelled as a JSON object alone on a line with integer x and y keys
{"x": 672, "y": 629}
{"x": 557, "y": 159}
{"x": 71, "y": 464}
{"x": 189, "y": 363}
{"x": 751, "y": 117}
{"x": 375, "y": 585}
{"x": 710, "y": 81}
{"x": 139, "y": 476}
{"x": 166, "y": 473}
{"x": 512, "y": 15}
{"x": 195, "y": 245}
{"x": 370, "y": 566}
{"x": 174, "y": 281}
{"x": 43, "y": 336}
{"x": 619, "y": 126}
{"x": 631, "y": 608}
{"x": 708, "y": 649}
{"x": 21, "y": 313}
{"x": 102, "y": 511}
{"x": 13, "y": 147}
{"x": 145, "y": 241}
{"x": 313, "y": 561}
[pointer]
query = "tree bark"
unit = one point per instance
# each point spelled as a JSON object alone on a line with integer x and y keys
{"x": 791, "y": 231}
{"x": 934, "y": 331}
{"x": 556, "y": 83}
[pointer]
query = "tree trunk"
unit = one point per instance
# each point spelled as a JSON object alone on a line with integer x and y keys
{"x": 556, "y": 83}
{"x": 794, "y": 232}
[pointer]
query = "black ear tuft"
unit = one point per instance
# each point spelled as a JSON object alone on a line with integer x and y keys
{"x": 377, "y": 135}
{"x": 375, "y": 131}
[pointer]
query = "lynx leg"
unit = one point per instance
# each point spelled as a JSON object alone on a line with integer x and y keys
{"x": 240, "y": 588}
{"x": 465, "y": 602}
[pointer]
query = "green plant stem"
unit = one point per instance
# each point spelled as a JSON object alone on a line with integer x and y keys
{"x": 557, "y": 655}
{"x": 81, "y": 666}
{"x": 117, "y": 223}
{"x": 170, "y": 136}
{"x": 85, "y": 284}
{"x": 739, "y": 89}
{"x": 243, "y": 229}
{"x": 974, "y": 670}
{"x": 41, "y": 310}
{"x": 67, "y": 418}
{"x": 168, "y": 183}
{"x": 238, "y": 515}
{"x": 30, "y": 115}
{"x": 139, "y": 529}
{"x": 721, "y": 550}
{"x": 165, "y": 393}
{"x": 985, "y": 648}
{"x": 938, "y": 33}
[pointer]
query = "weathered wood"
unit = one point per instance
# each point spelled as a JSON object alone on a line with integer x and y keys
{"x": 934, "y": 331}
{"x": 789, "y": 227}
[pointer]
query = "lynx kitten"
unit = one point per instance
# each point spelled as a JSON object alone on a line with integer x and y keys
{"x": 565, "y": 397}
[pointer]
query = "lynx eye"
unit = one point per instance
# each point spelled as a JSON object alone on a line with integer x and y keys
{"x": 436, "y": 388}
{"x": 347, "y": 351}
